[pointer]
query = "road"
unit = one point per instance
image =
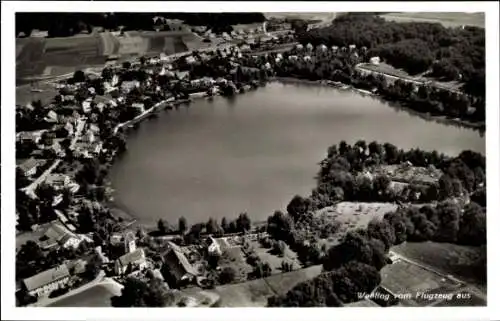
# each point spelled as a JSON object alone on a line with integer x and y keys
{"x": 30, "y": 189}
{"x": 408, "y": 79}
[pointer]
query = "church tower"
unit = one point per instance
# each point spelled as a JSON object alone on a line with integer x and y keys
{"x": 129, "y": 240}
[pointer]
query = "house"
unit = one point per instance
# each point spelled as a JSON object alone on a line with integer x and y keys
{"x": 47, "y": 281}
{"x": 58, "y": 235}
{"x": 131, "y": 261}
{"x": 86, "y": 106}
{"x": 58, "y": 181}
{"x": 29, "y": 137}
{"x": 213, "y": 246}
{"x": 178, "y": 265}
{"x": 375, "y": 60}
{"x": 30, "y": 166}
{"x": 51, "y": 117}
{"x": 127, "y": 86}
{"x": 139, "y": 107}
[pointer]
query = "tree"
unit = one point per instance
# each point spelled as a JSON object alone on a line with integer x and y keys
{"x": 161, "y": 227}
{"x": 297, "y": 207}
{"x": 182, "y": 225}
{"x": 354, "y": 278}
{"x": 472, "y": 225}
{"x": 279, "y": 248}
{"x": 243, "y": 222}
{"x": 227, "y": 275}
{"x": 78, "y": 76}
{"x": 383, "y": 231}
{"x": 139, "y": 293}
{"x": 279, "y": 225}
{"x": 224, "y": 225}
{"x": 126, "y": 65}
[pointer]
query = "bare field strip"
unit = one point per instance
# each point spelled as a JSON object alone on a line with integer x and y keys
{"x": 448, "y": 19}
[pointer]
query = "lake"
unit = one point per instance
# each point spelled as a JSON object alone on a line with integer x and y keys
{"x": 254, "y": 152}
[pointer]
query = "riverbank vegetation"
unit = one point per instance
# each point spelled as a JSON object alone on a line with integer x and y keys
{"x": 446, "y": 216}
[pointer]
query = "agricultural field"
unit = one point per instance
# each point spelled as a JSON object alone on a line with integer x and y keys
{"x": 50, "y": 57}
{"x": 448, "y": 19}
{"x": 467, "y": 262}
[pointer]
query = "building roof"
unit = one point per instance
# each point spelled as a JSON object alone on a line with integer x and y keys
{"x": 137, "y": 256}
{"x": 178, "y": 263}
{"x": 46, "y": 277}
{"x": 56, "y": 233}
{"x": 55, "y": 178}
{"x": 30, "y": 163}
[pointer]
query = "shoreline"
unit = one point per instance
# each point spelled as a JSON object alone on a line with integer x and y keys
{"x": 125, "y": 213}
{"x": 480, "y": 127}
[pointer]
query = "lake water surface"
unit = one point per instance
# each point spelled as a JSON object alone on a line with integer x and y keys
{"x": 254, "y": 152}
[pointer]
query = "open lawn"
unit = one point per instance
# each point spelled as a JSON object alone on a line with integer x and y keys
{"x": 25, "y": 95}
{"x": 447, "y": 19}
{"x": 467, "y": 262}
{"x": 255, "y": 293}
{"x": 96, "y": 296}
{"x": 353, "y": 215}
{"x": 273, "y": 260}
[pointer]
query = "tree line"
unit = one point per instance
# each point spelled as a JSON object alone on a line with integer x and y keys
{"x": 417, "y": 47}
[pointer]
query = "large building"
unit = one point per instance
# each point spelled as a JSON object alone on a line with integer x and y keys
{"x": 181, "y": 272}
{"x": 47, "y": 281}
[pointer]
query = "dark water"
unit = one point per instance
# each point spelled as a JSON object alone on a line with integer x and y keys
{"x": 218, "y": 158}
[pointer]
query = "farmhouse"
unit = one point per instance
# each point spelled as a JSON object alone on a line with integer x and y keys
{"x": 178, "y": 266}
{"x": 58, "y": 235}
{"x": 47, "y": 281}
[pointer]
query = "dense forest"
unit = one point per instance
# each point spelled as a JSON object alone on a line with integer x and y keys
{"x": 352, "y": 266}
{"x": 64, "y": 24}
{"x": 417, "y": 47}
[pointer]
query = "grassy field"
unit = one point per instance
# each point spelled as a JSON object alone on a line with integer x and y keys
{"x": 255, "y": 293}
{"x": 448, "y": 19}
{"x": 467, "y": 262}
{"x": 96, "y": 296}
{"x": 354, "y": 215}
{"x": 24, "y": 95}
{"x": 405, "y": 278}
{"x": 274, "y": 261}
